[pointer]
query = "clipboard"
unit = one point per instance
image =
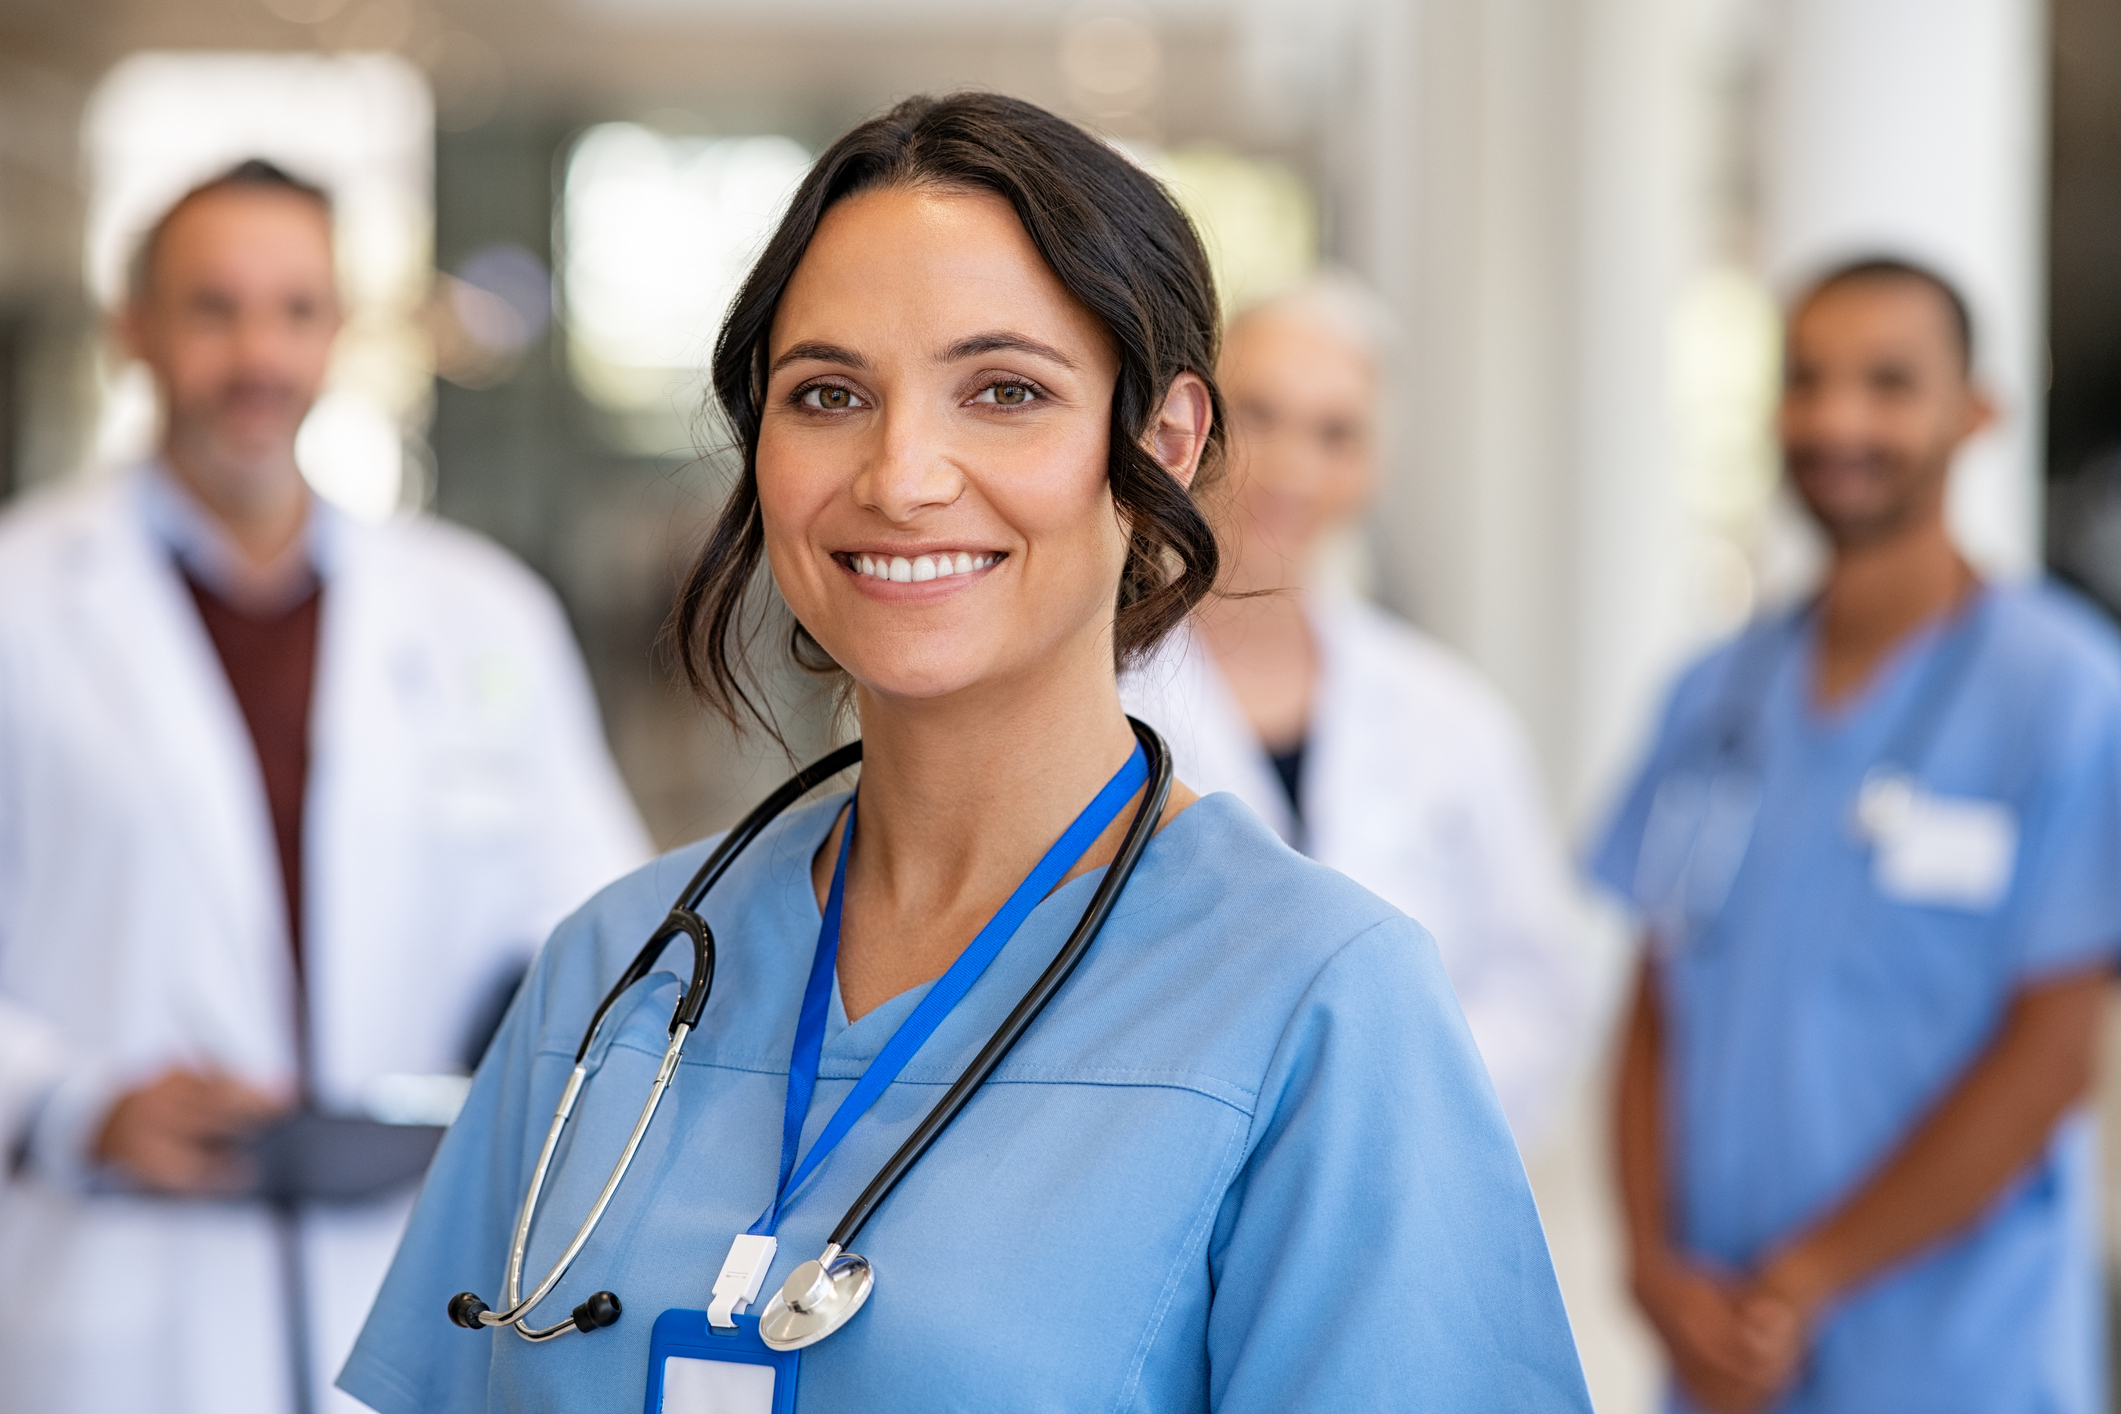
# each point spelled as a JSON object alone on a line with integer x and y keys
{"x": 309, "y": 1157}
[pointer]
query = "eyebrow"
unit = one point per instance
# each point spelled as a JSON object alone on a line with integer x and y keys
{"x": 815, "y": 351}
{"x": 997, "y": 341}
{"x": 1002, "y": 341}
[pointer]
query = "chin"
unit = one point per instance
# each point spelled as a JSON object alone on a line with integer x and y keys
{"x": 915, "y": 671}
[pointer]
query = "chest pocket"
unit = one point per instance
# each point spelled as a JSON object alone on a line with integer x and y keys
{"x": 1942, "y": 851}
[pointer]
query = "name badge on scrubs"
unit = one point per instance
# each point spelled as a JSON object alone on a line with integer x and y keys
{"x": 694, "y": 1368}
{"x": 1940, "y": 850}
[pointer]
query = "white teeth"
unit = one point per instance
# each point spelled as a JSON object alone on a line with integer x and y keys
{"x": 900, "y": 570}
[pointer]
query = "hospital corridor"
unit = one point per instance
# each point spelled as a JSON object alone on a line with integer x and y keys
{"x": 1239, "y": 705}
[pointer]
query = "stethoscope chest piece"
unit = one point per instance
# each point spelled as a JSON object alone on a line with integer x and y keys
{"x": 817, "y": 1299}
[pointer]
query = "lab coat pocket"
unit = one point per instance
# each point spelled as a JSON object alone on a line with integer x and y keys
{"x": 1948, "y": 852}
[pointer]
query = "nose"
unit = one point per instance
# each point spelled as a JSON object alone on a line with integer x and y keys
{"x": 911, "y": 470}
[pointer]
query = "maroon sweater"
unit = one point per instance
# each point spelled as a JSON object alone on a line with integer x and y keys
{"x": 271, "y": 662}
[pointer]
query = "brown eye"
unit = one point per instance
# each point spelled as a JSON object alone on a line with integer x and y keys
{"x": 1010, "y": 394}
{"x": 829, "y": 398}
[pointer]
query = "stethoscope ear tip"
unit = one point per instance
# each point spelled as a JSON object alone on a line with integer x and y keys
{"x": 600, "y": 1310}
{"x": 465, "y": 1308}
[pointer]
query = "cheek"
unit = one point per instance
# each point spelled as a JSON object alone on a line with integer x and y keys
{"x": 1067, "y": 510}
{"x": 791, "y": 494}
{"x": 1346, "y": 488}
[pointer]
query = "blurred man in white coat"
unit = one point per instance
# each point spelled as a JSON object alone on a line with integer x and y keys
{"x": 1362, "y": 742}
{"x": 284, "y": 800}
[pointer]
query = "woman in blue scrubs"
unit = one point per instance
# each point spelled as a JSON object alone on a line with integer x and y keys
{"x": 1248, "y": 1158}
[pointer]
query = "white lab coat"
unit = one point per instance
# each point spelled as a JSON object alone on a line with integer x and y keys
{"x": 460, "y": 802}
{"x": 1418, "y": 784}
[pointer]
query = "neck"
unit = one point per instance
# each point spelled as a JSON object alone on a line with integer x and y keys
{"x": 985, "y": 779}
{"x": 960, "y": 798}
{"x": 262, "y": 508}
{"x": 1260, "y": 638}
{"x": 1262, "y": 630}
{"x": 1880, "y": 591}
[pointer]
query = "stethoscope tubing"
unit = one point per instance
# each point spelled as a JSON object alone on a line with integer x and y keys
{"x": 1027, "y": 1009}
{"x": 684, "y": 918}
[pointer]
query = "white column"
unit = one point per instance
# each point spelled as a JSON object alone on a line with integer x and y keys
{"x": 1459, "y": 209}
{"x": 1919, "y": 127}
{"x": 1523, "y": 198}
{"x": 1638, "y": 240}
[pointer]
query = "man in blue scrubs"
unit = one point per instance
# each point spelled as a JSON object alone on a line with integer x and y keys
{"x": 1877, "y": 851}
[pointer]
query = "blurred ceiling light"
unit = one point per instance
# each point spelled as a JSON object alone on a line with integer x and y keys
{"x": 657, "y": 233}
{"x": 361, "y": 125}
{"x": 353, "y": 455}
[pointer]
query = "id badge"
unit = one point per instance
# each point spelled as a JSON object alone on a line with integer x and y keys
{"x": 1940, "y": 850}
{"x": 695, "y": 1369}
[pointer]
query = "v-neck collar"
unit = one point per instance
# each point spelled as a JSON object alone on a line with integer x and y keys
{"x": 1884, "y": 697}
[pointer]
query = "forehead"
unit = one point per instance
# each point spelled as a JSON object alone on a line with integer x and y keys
{"x": 929, "y": 264}
{"x": 1275, "y": 352}
{"x": 238, "y": 230}
{"x": 1876, "y": 315}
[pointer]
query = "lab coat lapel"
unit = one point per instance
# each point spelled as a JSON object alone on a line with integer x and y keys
{"x": 219, "y": 957}
{"x": 360, "y": 819}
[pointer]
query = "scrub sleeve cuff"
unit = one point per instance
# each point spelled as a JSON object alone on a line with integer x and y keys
{"x": 379, "y": 1386}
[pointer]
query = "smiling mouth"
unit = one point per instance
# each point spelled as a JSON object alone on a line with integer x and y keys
{"x": 898, "y": 569}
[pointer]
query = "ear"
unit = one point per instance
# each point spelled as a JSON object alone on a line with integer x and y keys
{"x": 128, "y": 330}
{"x": 1981, "y": 412}
{"x": 1179, "y": 435}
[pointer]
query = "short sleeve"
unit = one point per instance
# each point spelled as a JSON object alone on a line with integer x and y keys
{"x": 1379, "y": 1248}
{"x": 1616, "y": 857}
{"x": 2068, "y": 891}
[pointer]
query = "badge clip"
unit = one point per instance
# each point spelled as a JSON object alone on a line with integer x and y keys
{"x": 743, "y": 1273}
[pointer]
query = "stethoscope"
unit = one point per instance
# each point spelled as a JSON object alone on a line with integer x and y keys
{"x": 1682, "y": 889}
{"x": 819, "y": 1296}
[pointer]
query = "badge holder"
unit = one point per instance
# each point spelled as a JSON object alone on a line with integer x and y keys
{"x": 694, "y": 1368}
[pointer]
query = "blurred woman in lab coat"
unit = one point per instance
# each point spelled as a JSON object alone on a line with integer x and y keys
{"x": 1361, "y": 741}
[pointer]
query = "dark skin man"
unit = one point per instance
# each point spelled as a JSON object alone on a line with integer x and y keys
{"x": 1878, "y": 398}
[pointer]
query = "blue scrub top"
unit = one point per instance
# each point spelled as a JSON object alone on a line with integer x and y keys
{"x": 1248, "y": 1160}
{"x": 1816, "y": 1018}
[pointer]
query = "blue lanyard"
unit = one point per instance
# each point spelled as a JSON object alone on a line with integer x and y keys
{"x": 942, "y": 998}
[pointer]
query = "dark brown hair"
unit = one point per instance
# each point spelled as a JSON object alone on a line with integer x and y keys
{"x": 1114, "y": 239}
{"x": 1895, "y": 269}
